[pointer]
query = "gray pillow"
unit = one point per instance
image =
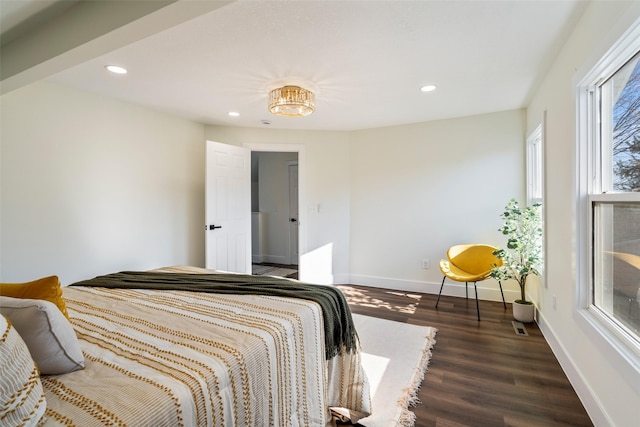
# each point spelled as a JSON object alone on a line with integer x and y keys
{"x": 51, "y": 340}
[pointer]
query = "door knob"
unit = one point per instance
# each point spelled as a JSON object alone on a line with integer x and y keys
{"x": 213, "y": 227}
{"x": 293, "y": 220}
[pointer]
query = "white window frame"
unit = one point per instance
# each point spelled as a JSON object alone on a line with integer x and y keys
{"x": 535, "y": 165}
{"x": 535, "y": 181}
{"x": 617, "y": 342}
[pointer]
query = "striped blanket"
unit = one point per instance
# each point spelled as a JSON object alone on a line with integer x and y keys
{"x": 181, "y": 358}
{"x": 339, "y": 331}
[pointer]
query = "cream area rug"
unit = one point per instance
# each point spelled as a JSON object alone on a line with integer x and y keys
{"x": 395, "y": 358}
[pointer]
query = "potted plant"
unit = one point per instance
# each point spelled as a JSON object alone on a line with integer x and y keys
{"x": 523, "y": 254}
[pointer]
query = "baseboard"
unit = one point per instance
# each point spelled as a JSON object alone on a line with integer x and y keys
{"x": 318, "y": 279}
{"x": 585, "y": 394}
{"x": 324, "y": 279}
{"x": 455, "y": 289}
{"x": 339, "y": 279}
{"x": 274, "y": 259}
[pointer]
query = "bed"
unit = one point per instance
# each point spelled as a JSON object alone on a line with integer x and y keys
{"x": 182, "y": 358}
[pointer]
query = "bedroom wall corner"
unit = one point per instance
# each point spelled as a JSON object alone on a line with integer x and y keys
{"x": 419, "y": 189}
{"x": 91, "y": 185}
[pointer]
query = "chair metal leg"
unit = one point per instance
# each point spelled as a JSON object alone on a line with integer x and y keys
{"x": 477, "y": 306}
{"x": 502, "y": 293}
{"x": 441, "y": 286}
{"x": 466, "y": 290}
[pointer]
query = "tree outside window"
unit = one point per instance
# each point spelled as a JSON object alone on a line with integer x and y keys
{"x": 626, "y": 130}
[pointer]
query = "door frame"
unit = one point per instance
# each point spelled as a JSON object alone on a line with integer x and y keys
{"x": 294, "y": 250}
{"x": 302, "y": 213}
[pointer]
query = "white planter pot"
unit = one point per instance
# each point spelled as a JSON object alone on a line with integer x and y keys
{"x": 523, "y": 312}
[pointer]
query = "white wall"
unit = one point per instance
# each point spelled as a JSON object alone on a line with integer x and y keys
{"x": 389, "y": 197}
{"x": 324, "y": 182}
{"x": 91, "y": 185}
{"x": 419, "y": 189}
{"x": 609, "y": 388}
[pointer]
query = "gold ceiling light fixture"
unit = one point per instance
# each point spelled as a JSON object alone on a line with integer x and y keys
{"x": 292, "y": 101}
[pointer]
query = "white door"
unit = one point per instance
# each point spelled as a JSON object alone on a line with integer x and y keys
{"x": 293, "y": 214}
{"x": 228, "y": 208}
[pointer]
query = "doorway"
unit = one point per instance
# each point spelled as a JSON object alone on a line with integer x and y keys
{"x": 274, "y": 213}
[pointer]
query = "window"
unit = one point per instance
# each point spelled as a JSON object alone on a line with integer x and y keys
{"x": 535, "y": 167}
{"x": 609, "y": 142}
{"x": 535, "y": 181}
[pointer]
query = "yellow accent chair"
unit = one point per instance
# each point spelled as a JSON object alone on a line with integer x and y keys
{"x": 470, "y": 263}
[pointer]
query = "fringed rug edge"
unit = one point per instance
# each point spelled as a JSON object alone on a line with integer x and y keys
{"x": 410, "y": 395}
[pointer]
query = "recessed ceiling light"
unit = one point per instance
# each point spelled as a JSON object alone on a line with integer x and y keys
{"x": 428, "y": 88}
{"x": 233, "y": 113}
{"x": 116, "y": 69}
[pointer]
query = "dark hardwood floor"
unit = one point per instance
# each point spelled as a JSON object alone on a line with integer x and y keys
{"x": 481, "y": 373}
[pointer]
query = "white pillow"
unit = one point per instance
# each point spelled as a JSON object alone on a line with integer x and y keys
{"x": 51, "y": 340}
{"x": 22, "y": 401}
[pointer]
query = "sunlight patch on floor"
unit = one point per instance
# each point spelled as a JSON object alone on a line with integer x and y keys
{"x": 361, "y": 298}
{"x": 375, "y": 367}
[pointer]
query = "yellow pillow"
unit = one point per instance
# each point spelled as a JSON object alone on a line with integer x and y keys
{"x": 47, "y": 288}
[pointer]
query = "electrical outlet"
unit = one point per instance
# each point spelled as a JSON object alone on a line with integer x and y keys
{"x": 425, "y": 263}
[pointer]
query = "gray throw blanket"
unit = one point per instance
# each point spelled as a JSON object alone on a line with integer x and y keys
{"x": 339, "y": 330}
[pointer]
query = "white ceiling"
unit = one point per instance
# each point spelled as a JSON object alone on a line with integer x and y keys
{"x": 13, "y": 14}
{"x": 365, "y": 60}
